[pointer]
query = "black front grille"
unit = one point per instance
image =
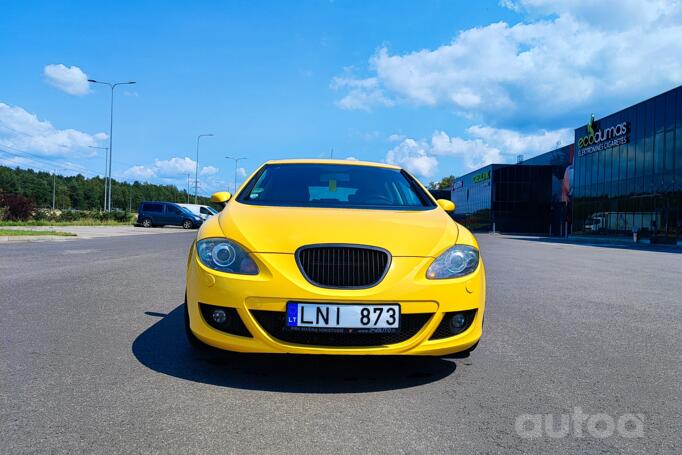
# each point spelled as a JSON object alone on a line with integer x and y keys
{"x": 343, "y": 266}
{"x": 274, "y": 322}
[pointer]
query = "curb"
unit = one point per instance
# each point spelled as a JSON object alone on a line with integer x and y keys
{"x": 35, "y": 238}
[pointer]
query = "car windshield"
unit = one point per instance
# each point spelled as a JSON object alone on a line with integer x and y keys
{"x": 335, "y": 185}
{"x": 187, "y": 211}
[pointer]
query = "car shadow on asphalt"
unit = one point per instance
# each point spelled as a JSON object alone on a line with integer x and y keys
{"x": 163, "y": 347}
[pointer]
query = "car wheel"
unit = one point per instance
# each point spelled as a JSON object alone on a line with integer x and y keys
{"x": 147, "y": 222}
{"x": 187, "y": 224}
{"x": 194, "y": 342}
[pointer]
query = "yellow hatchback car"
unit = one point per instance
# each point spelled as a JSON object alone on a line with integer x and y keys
{"x": 334, "y": 257}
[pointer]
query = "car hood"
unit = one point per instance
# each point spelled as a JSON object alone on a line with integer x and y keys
{"x": 265, "y": 229}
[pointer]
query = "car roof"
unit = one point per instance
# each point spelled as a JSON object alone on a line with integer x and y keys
{"x": 159, "y": 202}
{"x": 330, "y": 161}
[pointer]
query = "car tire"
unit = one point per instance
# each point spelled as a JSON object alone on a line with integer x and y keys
{"x": 194, "y": 342}
{"x": 187, "y": 224}
{"x": 147, "y": 222}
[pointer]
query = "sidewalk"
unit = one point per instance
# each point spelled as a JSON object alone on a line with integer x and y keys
{"x": 85, "y": 232}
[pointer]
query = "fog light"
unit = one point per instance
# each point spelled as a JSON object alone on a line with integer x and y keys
{"x": 457, "y": 322}
{"x": 219, "y": 316}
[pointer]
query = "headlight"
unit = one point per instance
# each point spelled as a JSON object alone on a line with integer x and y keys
{"x": 224, "y": 255}
{"x": 457, "y": 261}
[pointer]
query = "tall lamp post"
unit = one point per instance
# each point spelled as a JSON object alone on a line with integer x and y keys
{"x": 106, "y": 163}
{"x": 236, "y": 160}
{"x": 196, "y": 169}
{"x": 54, "y": 186}
{"x": 111, "y": 133}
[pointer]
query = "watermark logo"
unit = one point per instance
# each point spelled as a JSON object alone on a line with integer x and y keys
{"x": 579, "y": 425}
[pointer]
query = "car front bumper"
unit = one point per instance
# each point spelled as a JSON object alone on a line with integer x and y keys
{"x": 281, "y": 281}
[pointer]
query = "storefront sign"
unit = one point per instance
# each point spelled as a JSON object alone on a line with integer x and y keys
{"x": 481, "y": 177}
{"x": 598, "y": 139}
{"x": 458, "y": 184}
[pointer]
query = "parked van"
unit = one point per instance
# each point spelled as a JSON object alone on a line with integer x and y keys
{"x": 204, "y": 211}
{"x": 151, "y": 213}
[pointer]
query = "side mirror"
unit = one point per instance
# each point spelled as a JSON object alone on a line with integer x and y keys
{"x": 446, "y": 205}
{"x": 220, "y": 197}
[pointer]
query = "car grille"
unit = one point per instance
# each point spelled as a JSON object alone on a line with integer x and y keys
{"x": 274, "y": 322}
{"x": 343, "y": 266}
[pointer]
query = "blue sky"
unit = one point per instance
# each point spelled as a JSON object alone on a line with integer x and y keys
{"x": 439, "y": 87}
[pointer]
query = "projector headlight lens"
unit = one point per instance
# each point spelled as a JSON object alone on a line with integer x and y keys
{"x": 225, "y": 255}
{"x": 456, "y": 261}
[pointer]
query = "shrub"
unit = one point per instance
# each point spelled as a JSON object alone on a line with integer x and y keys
{"x": 16, "y": 207}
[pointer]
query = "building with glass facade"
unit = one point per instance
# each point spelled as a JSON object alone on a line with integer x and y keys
{"x": 628, "y": 171}
{"x": 623, "y": 174}
{"x": 506, "y": 198}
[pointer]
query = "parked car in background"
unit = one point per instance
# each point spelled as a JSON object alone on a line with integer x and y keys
{"x": 152, "y": 213}
{"x": 204, "y": 211}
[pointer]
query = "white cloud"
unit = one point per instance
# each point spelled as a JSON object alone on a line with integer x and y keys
{"x": 485, "y": 145}
{"x": 69, "y": 79}
{"x": 170, "y": 170}
{"x": 351, "y": 158}
{"x": 414, "y": 157}
{"x": 241, "y": 172}
{"x": 139, "y": 173}
{"x": 362, "y": 94}
{"x": 513, "y": 142}
{"x": 565, "y": 57}
{"x": 175, "y": 166}
{"x": 209, "y": 170}
{"x": 395, "y": 137}
{"x": 23, "y": 130}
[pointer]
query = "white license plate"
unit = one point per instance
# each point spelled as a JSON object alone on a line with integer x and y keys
{"x": 325, "y": 315}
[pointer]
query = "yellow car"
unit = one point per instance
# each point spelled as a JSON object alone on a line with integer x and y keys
{"x": 334, "y": 257}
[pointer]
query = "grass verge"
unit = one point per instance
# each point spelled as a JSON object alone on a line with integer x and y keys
{"x": 86, "y": 222}
{"x": 17, "y": 232}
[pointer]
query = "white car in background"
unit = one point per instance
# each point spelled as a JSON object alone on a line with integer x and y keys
{"x": 204, "y": 211}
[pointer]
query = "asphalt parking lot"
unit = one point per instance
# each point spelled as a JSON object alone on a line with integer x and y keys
{"x": 93, "y": 359}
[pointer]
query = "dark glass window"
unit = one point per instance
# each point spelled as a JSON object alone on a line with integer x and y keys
{"x": 575, "y": 177}
{"x": 623, "y": 169}
{"x": 155, "y": 208}
{"x": 334, "y": 185}
{"x": 173, "y": 210}
{"x": 670, "y": 110}
{"x": 649, "y": 140}
{"x": 677, "y": 147}
{"x": 659, "y": 154}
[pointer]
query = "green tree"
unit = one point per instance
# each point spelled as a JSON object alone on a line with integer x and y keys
{"x": 79, "y": 192}
{"x": 445, "y": 183}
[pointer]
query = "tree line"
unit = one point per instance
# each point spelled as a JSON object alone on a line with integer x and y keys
{"x": 81, "y": 193}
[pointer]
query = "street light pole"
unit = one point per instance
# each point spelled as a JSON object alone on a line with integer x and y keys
{"x": 111, "y": 133}
{"x": 188, "y": 187}
{"x": 236, "y": 160}
{"x": 54, "y": 187}
{"x": 106, "y": 163}
{"x": 196, "y": 169}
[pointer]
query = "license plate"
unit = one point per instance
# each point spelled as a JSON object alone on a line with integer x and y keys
{"x": 322, "y": 315}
